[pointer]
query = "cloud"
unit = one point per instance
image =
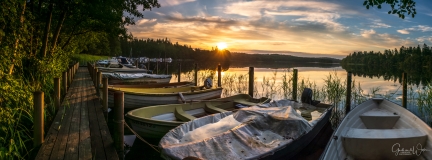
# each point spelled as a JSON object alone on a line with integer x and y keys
{"x": 368, "y": 33}
{"x": 143, "y": 21}
{"x": 423, "y": 39}
{"x": 379, "y": 24}
{"x": 165, "y": 3}
{"x": 403, "y": 31}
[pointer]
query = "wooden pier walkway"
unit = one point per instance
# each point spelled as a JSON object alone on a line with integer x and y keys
{"x": 79, "y": 130}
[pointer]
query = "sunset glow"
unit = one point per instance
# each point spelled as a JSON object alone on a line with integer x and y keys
{"x": 303, "y": 28}
{"x": 222, "y": 45}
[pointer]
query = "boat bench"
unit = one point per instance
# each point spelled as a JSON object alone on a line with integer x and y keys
{"x": 211, "y": 108}
{"x": 379, "y": 119}
{"x": 383, "y": 133}
{"x": 182, "y": 115}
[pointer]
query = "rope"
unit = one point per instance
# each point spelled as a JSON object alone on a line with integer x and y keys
{"x": 139, "y": 137}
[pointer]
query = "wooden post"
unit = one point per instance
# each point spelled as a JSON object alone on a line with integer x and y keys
{"x": 166, "y": 68}
{"x": 404, "y": 90}
{"x": 348, "y": 94}
{"x": 251, "y": 81}
{"x": 69, "y": 81}
{"x": 136, "y": 63}
{"x": 219, "y": 75}
{"x": 95, "y": 71}
{"x": 118, "y": 122}
{"x": 38, "y": 118}
{"x": 105, "y": 97}
{"x": 179, "y": 72}
{"x": 98, "y": 81}
{"x": 56, "y": 94}
{"x": 157, "y": 67}
{"x": 196, "y": 75}
{"x": 295, "y": 77}
{"x": 64, "y": 85}
{"x": 148, "y": 65}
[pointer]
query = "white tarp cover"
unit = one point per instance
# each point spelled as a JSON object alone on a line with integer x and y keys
{"x": 126, "y": 76}
{"x": 250, "y": 133}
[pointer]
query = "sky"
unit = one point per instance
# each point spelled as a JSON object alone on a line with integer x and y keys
{"x": 307, "y": 28}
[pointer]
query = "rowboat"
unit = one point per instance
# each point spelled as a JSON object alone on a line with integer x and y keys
{"x": 143, "y": 97}
{"x": 156, "y": 121}
{"x": 380, "y": 129}
{"x": 272, "y": 131}
{"x": 126, "y": 78}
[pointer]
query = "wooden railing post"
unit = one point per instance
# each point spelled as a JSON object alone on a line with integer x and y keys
{"x": 179, "y": 72}
{"x": 56, "y": 94}
{"x": 348, "y": 94}
{"x": 295, "y": 78}
{"x": 404, "y": 90}
{"x": 95, "y": 71}
{"x": 38, "y": 118}
{"x": 64, "y": 84}
{"x": 69, "y": 78}
{"x": 119, "y": 122}
{"x": 166, "y": 68}
{"x": 219, "y": 75}
{"x": 251, "y": 81}
{"x": 98, "y": 81}
{"x": 157, "y": 67}
{"x": 136, "y": 63}
{"x": 196, "y": 74}
{"x": 105, "y": 97}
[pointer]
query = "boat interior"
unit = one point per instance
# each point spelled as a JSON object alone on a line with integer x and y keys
{"x": 378, "y": 130}
{"x": 189, "y": 111}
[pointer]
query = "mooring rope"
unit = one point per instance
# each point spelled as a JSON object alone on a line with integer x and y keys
{"x": 139, "y": 137}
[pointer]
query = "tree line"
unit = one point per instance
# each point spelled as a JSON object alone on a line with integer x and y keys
{"x": 415, "y": 61}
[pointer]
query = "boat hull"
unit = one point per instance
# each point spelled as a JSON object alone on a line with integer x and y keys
{"x": 133, "y": 101}
{"x": 353, "y": 134}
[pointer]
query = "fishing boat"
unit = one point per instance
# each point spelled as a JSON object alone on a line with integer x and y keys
{"x": 156, "y": 121}
{"x": 114, "y": 66}
{"x": 134, "y": 78}
{"x": 275, "y": 130}
{"x": 380, "y": 129}
{"x": 143, "y": 97}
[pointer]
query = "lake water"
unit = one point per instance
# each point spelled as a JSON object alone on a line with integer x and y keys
{"x": 268, "y": 77}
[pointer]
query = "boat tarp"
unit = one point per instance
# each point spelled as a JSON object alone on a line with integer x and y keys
{"x": 248, "y": 133}
{"x": 125, "y": 76}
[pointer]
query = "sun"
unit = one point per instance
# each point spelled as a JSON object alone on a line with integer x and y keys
{"x": 222, "y": 45}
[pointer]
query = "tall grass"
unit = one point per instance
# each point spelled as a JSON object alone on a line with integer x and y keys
{"x": 84, "y": 58}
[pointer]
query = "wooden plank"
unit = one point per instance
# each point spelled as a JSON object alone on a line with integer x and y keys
{"x": 85, "y": 149}
{"x": 108, "y": 142}
{"x": 62, "y": 137}
{"x": 96, "y": 138}
{"x": 73, "y": 137}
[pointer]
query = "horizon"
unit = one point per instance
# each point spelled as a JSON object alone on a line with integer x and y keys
{"x": 303, "y": 28}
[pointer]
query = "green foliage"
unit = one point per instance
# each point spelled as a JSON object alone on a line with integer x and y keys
{"x": 37, "y": 39}
{"x": 399, "y": 7}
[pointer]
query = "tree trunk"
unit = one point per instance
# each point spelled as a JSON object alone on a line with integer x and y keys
{"x": 58, "y": 29}
{"x": 46, "y": 32}
{"x": 17, "y": 39}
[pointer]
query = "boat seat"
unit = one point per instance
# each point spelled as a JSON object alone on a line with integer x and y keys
{"x": 373, "y": 143}
{"x": 182, "y": 115}
{"x": 211, "y": 108}
{"x": 379, "y": 119}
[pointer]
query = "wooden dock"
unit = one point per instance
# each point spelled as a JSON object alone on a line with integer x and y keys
{"x": 79, "y": 130}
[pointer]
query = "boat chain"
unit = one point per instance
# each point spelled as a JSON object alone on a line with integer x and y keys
{"x": 139, "y": 137}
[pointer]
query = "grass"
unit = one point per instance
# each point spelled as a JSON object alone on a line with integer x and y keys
{"x": 84, "y": 58}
